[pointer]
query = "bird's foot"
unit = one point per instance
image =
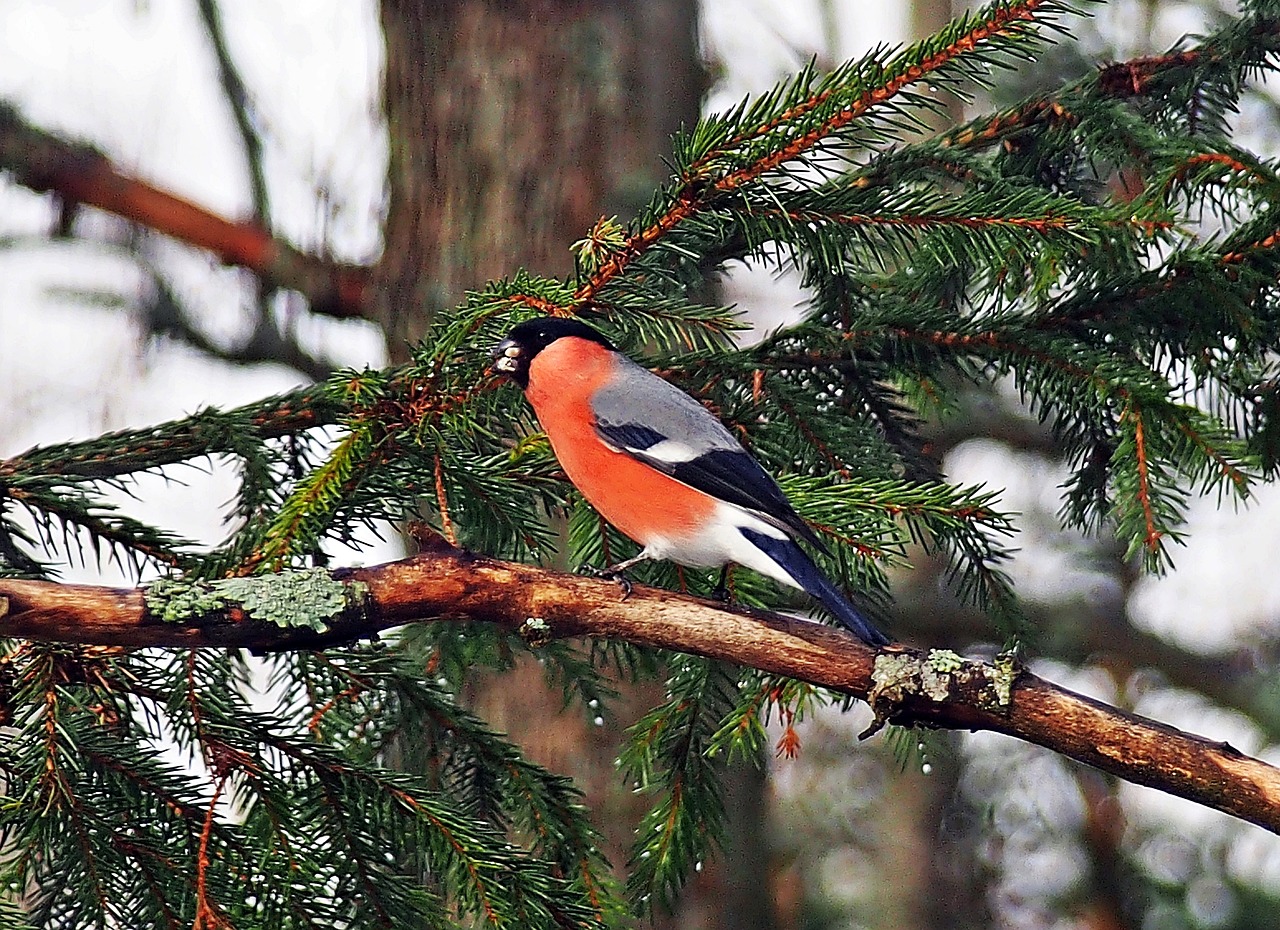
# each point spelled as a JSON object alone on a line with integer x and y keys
{"x": 721, "y": 591}
{"x": 611, "y": 572}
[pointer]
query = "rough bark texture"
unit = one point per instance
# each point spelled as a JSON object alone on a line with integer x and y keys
{"x": 513, "y": 127}
{"x": 903, "y": 685}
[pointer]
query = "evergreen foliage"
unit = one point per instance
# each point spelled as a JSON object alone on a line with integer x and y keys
{"x": 1105, "y": 247}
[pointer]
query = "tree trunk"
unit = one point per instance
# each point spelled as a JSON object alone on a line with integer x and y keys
{"x": 513, "y": 127}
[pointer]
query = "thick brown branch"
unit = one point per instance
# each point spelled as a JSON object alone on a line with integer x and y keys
{"x": 447, "y": 584}
{"x": 79, "y": 173}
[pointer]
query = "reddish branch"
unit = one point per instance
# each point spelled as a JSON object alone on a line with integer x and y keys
{"x": 1152, "y": 537}
{"x": 1122, "y": 80}
{"x": 997, "y": 342}
{"x": 449, "y": 585}
{"x": 1262, "y": 245}
{"x": 81, "y": 174}
{"x": 442, "y": 501}
{"x": 1040, "y": 224}
{"x": 998, "y": 24}
{"x": 207, "y": 913}
{"x": 1133, "y": 78}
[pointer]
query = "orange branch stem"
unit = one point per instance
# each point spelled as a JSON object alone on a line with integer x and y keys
{"x": 1152, "y": 538}
{"x": 695, "y": 197}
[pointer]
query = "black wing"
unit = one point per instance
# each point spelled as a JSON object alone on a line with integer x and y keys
{"x": 692, "y": 446}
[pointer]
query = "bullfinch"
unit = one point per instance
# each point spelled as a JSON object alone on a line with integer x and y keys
{"x": 659, "y": 466}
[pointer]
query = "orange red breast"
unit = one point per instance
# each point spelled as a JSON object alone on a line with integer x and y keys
{"x": 641, "y": 502}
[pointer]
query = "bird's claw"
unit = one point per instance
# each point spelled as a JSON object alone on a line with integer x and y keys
{"x": 622, "y": 580}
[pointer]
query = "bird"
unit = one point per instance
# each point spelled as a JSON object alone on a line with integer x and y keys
{"x": 660, "y": 466}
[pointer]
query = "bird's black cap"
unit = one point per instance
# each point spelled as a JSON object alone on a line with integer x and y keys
{"x": 512, "y": 355}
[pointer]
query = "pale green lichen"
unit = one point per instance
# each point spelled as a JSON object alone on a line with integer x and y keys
{"x": 174, "y": 600}
{"x": 934, "y": 684}
{"x": 1004, "y": 672}
{"x": 309, "y": 598}
{"x": 892, "y": 678}
{"x": 944, "y": 661}
{"x": 938, "y": 673}
{"x": 535, "y": 631}
{"x": 940, "y": 676}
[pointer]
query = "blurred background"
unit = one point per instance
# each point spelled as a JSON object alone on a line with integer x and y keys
{"x": 311, "y": 121}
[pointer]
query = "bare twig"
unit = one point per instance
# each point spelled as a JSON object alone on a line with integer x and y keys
{"x": 237, "y": 94}
{"x": 44, "y": 162}
{"x": 903, "y": 685}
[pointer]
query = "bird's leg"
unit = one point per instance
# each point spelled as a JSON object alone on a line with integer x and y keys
{"x": 615, "y": 572}
{"x": 721, "y": 591}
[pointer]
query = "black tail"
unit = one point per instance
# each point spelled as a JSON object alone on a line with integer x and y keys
{"x": 796, "y": 563}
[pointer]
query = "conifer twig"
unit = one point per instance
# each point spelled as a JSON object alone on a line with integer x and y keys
{"x": 695, "y": 195}
{"x": 450, "y": 584}
{"x": 237, "y": 95}
{"x": 1152, "y": 536}
{"x": 203, "y": 433}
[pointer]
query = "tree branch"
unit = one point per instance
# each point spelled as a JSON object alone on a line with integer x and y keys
{"x": 203, "y": 433}
{"x": 237, "y": 94}
{"x": 80, "y": 173}
{"x": 904, "y": 686}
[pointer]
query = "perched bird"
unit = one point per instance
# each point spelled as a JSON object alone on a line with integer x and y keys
{"x": 659, "y": 466}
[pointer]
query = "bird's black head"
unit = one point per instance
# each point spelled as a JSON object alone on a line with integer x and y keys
{"x": 512, "y": 355}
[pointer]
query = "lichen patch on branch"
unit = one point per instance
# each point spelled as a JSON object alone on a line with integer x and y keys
{"x": 938, "y": 676}
{"x": 305, "y": 599}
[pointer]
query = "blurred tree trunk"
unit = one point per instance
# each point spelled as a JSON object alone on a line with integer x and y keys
{"x": 929, "y": 848}
{"x": 514, "y": 126}
{"x": 927, "y": 18}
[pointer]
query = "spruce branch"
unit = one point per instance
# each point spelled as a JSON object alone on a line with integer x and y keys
{"x": 101, "y": 523}
{"x": 202, "y": 434}
{"x": 450, "y": 584}
{"x": 668, "y": 755}
{"x": 1221, "y": 59}
{"x": 805, "y": 119}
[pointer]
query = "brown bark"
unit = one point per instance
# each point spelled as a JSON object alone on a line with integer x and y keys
{"x": 450, "y": 585}
{"x": 513, "y": 127}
